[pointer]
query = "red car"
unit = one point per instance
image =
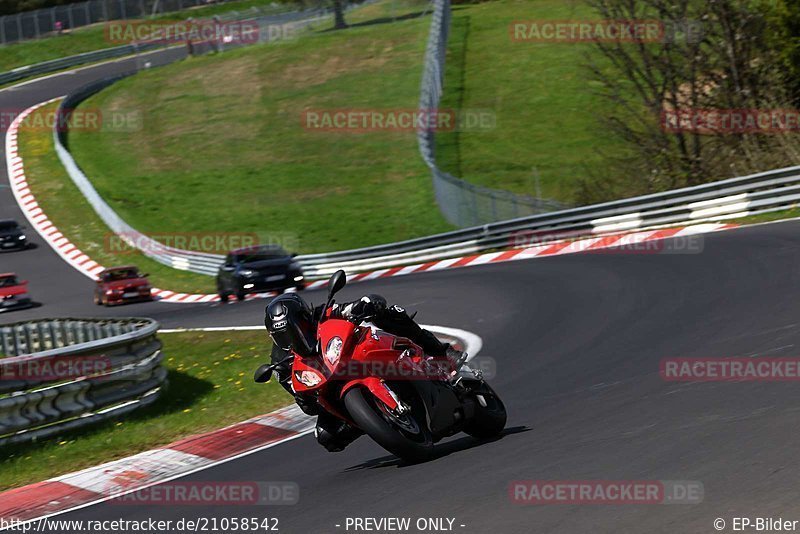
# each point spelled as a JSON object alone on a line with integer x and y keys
{"x": 117, "y": 285}
{"x": 13, "y": 293}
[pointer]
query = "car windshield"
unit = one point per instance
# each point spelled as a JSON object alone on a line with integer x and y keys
{"x": 123, "y": 274}
{"x": 260, "y": 255}
{"x": 7, "y": 225}
{"x": 8, "y": 281}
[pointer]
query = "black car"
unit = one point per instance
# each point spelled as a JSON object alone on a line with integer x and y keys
{"x": 12, "y": 236}
{"x": 258, "y": 269}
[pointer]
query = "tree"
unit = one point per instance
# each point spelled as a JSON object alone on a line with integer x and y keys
{"x": 730, "y": 64}
{"x": 338, "y": 15}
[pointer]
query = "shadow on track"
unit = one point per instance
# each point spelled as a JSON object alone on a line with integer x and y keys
{"x": 440, "y": 451}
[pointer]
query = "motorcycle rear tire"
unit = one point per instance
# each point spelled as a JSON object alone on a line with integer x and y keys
{"x": 378, "y": 425}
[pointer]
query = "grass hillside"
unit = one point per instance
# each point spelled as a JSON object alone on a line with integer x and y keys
{"x": 90, "y": 38}
{"x": 223, "y": 147}
{"x": 547, "y": 111}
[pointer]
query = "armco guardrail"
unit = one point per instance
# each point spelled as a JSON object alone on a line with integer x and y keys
{"x": 173, "y": 257}
{"x": 55, "y": 65}
{"x": 60, "y": 374}
{"x": 264, "y": 17}
{"x": 734, "y": 197}
{"x": 52, "y": 20}
{"x": 462, "y": 203}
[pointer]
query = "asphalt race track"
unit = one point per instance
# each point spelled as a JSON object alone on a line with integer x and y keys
{"x": 577, "y": 340}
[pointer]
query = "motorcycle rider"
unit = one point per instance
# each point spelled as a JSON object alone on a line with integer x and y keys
{"x": 291, "y": 323}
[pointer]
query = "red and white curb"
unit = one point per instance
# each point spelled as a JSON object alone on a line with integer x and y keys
{"x": 83, "y": 263}
{"x": 114, "y": 479}
{"x": 118, "y": 478}
{"x": 39, "y": 221}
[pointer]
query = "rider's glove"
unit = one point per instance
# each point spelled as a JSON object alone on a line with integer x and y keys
{"x": 366, "y": 308}
{"x": 309, "y": 406}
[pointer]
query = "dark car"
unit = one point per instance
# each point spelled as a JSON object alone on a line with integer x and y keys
{"x": 117, "y": 285}
{"x": 13, "y": 292}
{"x": 12, "y": 236}
{"x": 256, "y": 270}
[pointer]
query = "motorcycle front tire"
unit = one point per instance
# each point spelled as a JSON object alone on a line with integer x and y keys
{"x": 388, "y": 430}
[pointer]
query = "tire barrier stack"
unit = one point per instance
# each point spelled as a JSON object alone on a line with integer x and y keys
{"x": 57, "y": 375}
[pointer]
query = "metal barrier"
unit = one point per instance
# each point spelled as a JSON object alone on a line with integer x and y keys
{"x": 73, "y": 61}
{"x": 173, "y": 257}
{"x": 462, "y": 203}
{"x": 266, "y": 18}
{"x": 60, "y": 374}
{"x": 50, "y": 21}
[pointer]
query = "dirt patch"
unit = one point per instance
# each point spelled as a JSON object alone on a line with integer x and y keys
{"x": 318, "y": 73}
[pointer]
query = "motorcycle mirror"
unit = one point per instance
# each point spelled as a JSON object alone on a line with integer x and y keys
{"x": 336, "y": 283}
{"x": 263, "y": 374}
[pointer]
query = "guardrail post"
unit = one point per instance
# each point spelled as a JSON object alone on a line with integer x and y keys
{"x": 5, "y": 346}
{"x": 28, "y": 340}
{"x": 40, "y": 337}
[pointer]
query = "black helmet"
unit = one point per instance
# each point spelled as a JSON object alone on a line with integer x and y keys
{"x": 289, "y": 321}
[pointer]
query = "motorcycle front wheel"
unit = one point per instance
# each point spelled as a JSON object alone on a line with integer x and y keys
{"x": 402, "y": 435}
{"x": 490, "y": 415}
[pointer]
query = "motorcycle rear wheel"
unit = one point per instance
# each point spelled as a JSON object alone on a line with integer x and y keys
{"x": 403, "y": 435}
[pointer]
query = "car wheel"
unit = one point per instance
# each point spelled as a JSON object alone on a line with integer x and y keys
{"x": 240, "y": 296}
{"x": 223, "y": 297}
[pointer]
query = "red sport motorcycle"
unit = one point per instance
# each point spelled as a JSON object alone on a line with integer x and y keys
{"x": 388, "y": 388}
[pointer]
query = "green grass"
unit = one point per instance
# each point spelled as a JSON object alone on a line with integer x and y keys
{"x": 69, "y": 211}
{"x": 90, "y": 38}
{"x": 210, "y": 386}
{"x": 223, "y": 149}
{"x": 547, "y": 110}
{"x": 791, "y": 213}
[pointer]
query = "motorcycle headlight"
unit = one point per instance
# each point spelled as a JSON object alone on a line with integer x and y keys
{"x": 308, "y": 378}
{"x": 334, "y": 350}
